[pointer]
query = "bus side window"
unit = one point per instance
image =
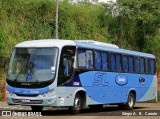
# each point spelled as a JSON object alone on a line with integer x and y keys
{"x": 142, "y": 65}
{"x": 89, "y": 59}
{"x": 105, "y": 63}
{"x": 81, "y": 58}
{"x": 119, "y": 62}
{"x": 151, "y": 66}
{"x": 146, "y": 64}
{"x": 113, "y": 62}
{"x": 131, "y": 64}
{"x": 125, "y": 63}
{"x": 98, "y": 60}
{"x": 137, "y": 65}
{"x": 68, "y": 64}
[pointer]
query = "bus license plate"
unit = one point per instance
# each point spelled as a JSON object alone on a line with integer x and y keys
{"x": 25, "y": 100}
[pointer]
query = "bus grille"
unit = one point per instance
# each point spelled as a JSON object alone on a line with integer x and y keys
{"x": 26, "y": 95}
{"x": 30, "y": 102}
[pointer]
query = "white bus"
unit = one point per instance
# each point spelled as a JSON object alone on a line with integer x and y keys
{"x": 76, "y": 74}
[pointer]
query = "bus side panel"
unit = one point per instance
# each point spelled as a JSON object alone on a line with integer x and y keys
{"x": 104, "y": 95}
{"x": 151, "y": 92}
{"x": 108, "y": 87}
{"x": 101, "y": 87}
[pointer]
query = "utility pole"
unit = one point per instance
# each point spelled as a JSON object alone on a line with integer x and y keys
{"x": 56, "y": 19}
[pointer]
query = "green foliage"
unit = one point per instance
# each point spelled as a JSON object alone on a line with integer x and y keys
{"x": 135, "y": 25}
{"x": 131, "y": 24}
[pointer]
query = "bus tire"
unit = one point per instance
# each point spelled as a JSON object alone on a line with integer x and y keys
{"x": 130, "y": 102}
{"x": 95, "y": 107}
{"x": 37, "y": 108}
{"x": 77, "y": 105}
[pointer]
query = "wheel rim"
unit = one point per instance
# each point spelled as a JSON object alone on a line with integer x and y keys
{"x": 131, "y": 100}
{"x": 77, "y": 104}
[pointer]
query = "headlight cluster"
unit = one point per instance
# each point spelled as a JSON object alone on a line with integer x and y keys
{"x": 10, "y": 93}
{"x": 49, "y": 93}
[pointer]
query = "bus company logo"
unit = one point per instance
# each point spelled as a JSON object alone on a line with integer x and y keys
{"x": 142, "y": 80}
{"x": 121, "y": 80}
{"x": 100, "y": 79}
{"x": 34, "y": 91}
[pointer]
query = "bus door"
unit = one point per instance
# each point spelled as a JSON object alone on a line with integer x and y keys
{"x": 65, "y": 74}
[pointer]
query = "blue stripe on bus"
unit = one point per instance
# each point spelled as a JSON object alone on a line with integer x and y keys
{"x": 25, "y": 91}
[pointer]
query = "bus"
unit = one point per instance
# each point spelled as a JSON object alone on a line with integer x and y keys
{"x": 75, "y": 74}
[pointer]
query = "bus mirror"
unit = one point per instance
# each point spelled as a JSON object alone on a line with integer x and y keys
{"x": 2, "y": 62}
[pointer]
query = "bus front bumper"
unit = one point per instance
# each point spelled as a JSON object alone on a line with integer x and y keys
{"x": 31, "y": 100}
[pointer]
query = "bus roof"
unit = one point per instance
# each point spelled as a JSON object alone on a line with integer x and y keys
{"x": 45, "y": 43}
{"x": 88, "y": 44}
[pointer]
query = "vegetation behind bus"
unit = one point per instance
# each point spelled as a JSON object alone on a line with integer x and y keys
{"x": 133, "y": 25}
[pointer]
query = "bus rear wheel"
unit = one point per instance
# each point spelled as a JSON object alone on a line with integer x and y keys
{"x": 130, "y": 102}
{"x": 77, "y": 105}
{"x": 37, "y": 108}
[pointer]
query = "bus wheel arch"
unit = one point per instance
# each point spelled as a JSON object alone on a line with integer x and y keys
{"x": 79, "y": 102}
{"x": 130, "y": 100}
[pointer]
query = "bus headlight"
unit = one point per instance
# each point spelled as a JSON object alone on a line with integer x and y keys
{"x": 9, "y": 93}
{"x": 49, "y": 93}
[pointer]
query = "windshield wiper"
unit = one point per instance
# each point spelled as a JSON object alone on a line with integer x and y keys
{"x": 22, "y": 70}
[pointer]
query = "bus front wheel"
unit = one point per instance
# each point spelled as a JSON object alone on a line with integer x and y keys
{"x": 77, "y": 105}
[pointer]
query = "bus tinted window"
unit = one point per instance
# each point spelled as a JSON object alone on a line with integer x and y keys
{"x": 151, "y": 66}
{"x": 125, "y": 63}
{"x": 81, "y": 58}
{"x": 113, "y": 62}
{"x": 118, "y": 62}
{"x": 142, "y": 66}
{"x": 146, "y": 64}
{"x": 105, "y": 61}
{"x": 137, "y": 64}
{"x": 98, "y": 60}
{"x": 131, "y": 64}
{"x": 89, "y": 59}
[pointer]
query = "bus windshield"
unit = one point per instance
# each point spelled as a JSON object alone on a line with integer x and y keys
{"x": 32, "y": 64}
